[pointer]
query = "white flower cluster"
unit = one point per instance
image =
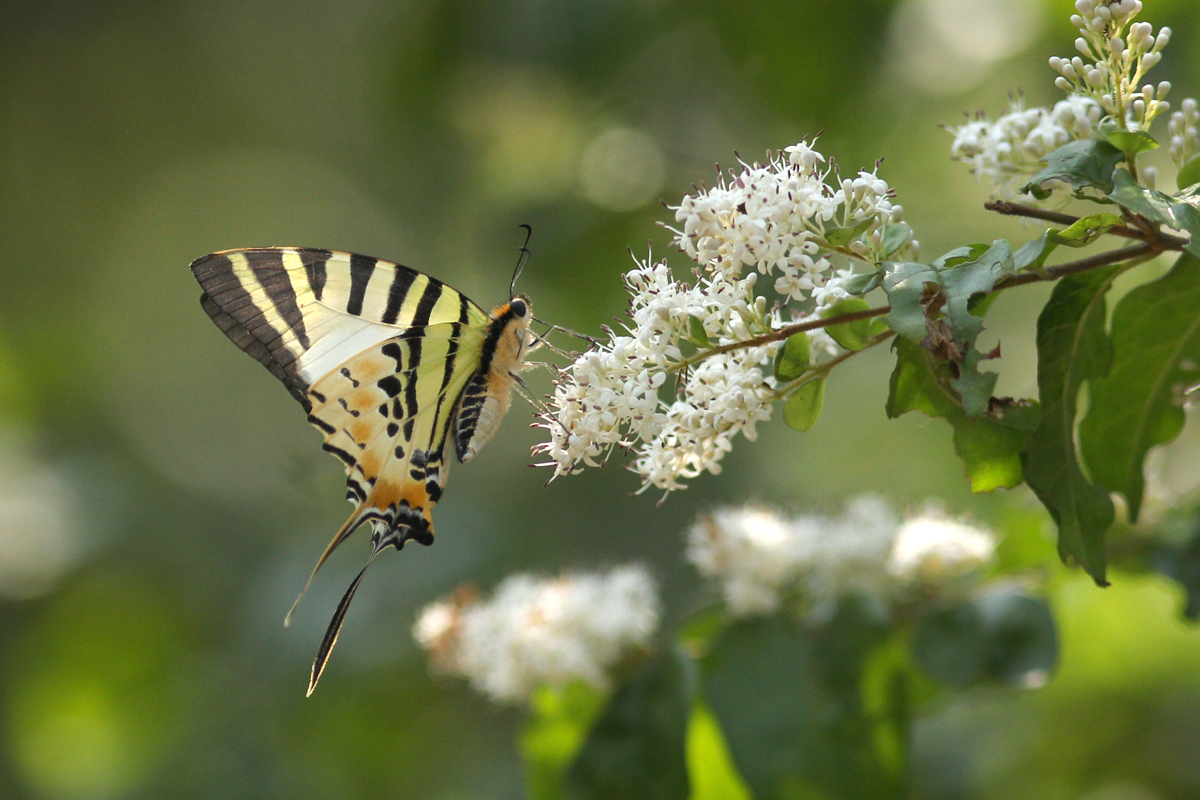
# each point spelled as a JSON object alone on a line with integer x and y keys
{"x": 778, "y": 219}
{"x": 537, "y": 631}
{"x": 761, "y": 559}
{"x": 1005, "y": 152}
{"x": 1182, "y": 128}
{"x": 1112, "y": 65}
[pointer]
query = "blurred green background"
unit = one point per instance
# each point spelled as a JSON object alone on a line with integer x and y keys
{"x": 162, "y": 498}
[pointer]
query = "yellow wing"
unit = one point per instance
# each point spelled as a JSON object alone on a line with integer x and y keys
{"x": 378, "y": 354}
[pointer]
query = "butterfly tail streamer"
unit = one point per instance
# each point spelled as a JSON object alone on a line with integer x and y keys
{"x": 335, "y": 627}
{"x": 350, "y": 525}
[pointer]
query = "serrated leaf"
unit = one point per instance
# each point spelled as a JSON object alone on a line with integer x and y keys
{"x": 895, "y": 235}
{"x": 803, "y": 406}
{"x": 906, "y": 285}
{"x": 1138, "y": 405}
{"x": 1081, "y": 164}
{"x": 793, "y": 358}
{"x": 696, "y": 332}
{"x": 1189, "y": 173}
{"x": 963, "y": 283}
{"x": 1131, "y": 142}
{"x": 921, "y": 295}
{"x": 637, "y": 747}
{"x": 1174, "y": 212}
{"x": 989, "y": 445}
{"x": 850, "y": 335}
{"x": 1072, "y": 348}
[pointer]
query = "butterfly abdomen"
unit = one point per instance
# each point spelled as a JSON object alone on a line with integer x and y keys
{"x": 486, "y": 397}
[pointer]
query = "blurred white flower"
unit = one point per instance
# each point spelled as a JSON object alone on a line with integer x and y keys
{"x": 931, "y": 549}
{"x": 1185, "y": 138}
{"x": 537, "y": 631}
{"x": 761, "y": 558}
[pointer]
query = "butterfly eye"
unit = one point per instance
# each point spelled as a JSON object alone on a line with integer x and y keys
{"x": 518, "y": 307}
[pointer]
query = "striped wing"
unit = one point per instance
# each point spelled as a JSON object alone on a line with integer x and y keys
{"x": 379, "y": 356}
{"x": 301, "y": 312}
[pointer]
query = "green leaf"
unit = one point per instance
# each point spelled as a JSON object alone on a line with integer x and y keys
{"x": 637, "y": 748}
{"x": 793, "y": 359}
{"x": 840, "y": 237}
{"x": 1138, "y": 405}
{"x": 1072, "y": 348}
{"x": 1081, "y": 164}
{"x": 909, "y": 286}
{"x": 1181, "y": 563}
{"x": 1002, "y": 636}
{"x": 1189, "y": 173}
{"x": 963, "y": 283}
{"x": 558, "y": 721}
{"x": 989, "y": 445}
{"x": 1087, "y": 229}
{"x": 1022, "y": 639}
{"x": 935, "y": 308}
{"x": 948, "y": 644}
{"x": 1174, "y": 212}
{"x": 696, "y": 331}
{"x": 790, "y": 734}
{"x": 1131, "y": 142}
{"x": 803, "y": 406}
{"x": 1034, "y": 252}
{"x": 713, "y": 776}
{"x": 864, "y": 282}
{"x": 895, "y": 235}
{"x": 850, "y": 335}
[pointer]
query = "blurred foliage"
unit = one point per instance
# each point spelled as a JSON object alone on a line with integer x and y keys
{"x": 169, "y": 498}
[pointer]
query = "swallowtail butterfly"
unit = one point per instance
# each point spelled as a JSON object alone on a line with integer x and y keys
{"x": 391, "y": 365}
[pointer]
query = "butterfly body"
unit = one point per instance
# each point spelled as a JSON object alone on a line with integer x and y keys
{"x": 390, "y": 364}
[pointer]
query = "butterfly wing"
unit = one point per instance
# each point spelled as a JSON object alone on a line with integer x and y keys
{"x": 377, "y": 353}
{"x": 302, "y": 312}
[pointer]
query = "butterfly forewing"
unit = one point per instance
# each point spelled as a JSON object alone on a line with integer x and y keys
{"x": 302, "y": 312}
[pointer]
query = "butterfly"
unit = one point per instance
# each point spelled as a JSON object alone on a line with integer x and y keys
{"x": 392, "y": 366}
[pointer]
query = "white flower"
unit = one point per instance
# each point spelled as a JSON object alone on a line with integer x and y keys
{"x": 537, "y": 631}
{"x": 686, "y": 375}
{"x": 931, "y": 549}
{"x": 1113, "y": 60}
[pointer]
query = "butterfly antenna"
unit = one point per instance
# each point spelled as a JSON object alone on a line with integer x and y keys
{"x": 582, "y": 336}
{"x": 522, "y": 259}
